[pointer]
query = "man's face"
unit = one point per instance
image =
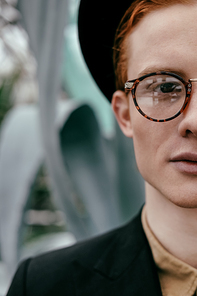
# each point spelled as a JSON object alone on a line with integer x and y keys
{"x": 166, "y": 39}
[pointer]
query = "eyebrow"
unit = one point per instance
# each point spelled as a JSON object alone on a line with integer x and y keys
{"x": 153, "y": 69}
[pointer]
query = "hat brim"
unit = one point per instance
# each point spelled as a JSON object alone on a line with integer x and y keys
{"x": 97, "y": 25}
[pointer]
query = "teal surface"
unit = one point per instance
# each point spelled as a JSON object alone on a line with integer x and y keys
{"x": 78, "y": 82}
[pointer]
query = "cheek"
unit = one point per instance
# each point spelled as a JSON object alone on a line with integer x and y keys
{"x": 142, "y": 140}
{"x": 144, "y": 146}
{"x": 151, "y": 143}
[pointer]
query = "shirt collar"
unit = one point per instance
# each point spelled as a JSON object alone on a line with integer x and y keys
{"x": 176, "y": 277}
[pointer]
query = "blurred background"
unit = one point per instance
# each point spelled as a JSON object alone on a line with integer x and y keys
{"x": 66, "y": 170}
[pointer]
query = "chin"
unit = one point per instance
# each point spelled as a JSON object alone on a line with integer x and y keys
{"x": 182, "y": 194}
{"x": 186, "y": 203}
{"x": 184, "y": 199}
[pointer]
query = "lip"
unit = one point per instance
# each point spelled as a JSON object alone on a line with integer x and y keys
{"x": 185, "y": 163}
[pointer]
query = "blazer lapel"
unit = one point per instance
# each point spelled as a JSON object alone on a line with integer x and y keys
{"x": 126, "y": 268}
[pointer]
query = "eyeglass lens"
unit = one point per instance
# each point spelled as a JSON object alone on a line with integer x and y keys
{"x": 160, "y": 96}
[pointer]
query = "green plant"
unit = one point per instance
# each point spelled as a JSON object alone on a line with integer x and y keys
{"x": 6, "y": 88}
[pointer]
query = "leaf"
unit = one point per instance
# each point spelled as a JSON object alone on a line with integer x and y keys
{"x": 87, "y": 161}
{"x": 21, "y": 155}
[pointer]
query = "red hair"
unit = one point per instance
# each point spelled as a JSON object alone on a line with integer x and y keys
{"x": 133, "y": 15}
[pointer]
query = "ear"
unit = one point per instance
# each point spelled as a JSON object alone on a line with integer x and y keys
{"x": 120, "y": 106}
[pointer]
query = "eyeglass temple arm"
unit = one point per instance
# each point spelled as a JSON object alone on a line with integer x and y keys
{"x": 193, "y": 80}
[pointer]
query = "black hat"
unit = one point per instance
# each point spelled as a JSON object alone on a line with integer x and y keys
{"x": 97, "y": 24}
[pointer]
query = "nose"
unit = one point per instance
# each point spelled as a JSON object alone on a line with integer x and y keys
{"x": 188, "y": 123}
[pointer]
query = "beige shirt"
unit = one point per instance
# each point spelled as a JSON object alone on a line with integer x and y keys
{"x": 176, "y": 277}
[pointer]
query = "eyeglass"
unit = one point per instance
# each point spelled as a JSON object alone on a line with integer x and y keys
{"x": 160, "y": 96}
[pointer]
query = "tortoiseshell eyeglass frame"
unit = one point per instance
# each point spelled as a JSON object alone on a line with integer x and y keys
{"x": 131, "y": 85}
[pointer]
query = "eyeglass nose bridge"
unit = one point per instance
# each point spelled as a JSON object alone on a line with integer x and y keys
{"x": 193, "y": 80}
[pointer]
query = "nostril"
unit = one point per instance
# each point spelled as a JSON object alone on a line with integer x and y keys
{"x": 187, "y": 132}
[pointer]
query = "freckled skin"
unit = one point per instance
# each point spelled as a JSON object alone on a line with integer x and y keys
{"x": 166, "y": 40}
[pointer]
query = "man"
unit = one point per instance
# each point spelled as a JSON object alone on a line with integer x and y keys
{"x": 155, "y": 61}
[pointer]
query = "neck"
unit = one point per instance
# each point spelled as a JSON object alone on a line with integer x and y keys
{"x": 175, "y": 227}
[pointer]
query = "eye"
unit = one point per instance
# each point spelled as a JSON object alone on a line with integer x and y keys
{"x": 169, "y": 87}
{"x": 160, "y": 96}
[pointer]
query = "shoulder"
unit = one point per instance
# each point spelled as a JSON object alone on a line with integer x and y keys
{"x": 87, "y": 251}
{"x": 54, "y": 273}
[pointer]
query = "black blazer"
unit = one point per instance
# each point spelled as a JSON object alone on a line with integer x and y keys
{"x": 118, "y": 263}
